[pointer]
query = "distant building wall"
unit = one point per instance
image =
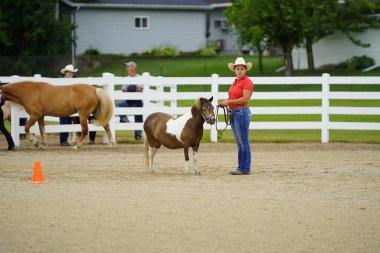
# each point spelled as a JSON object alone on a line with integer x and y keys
{"x": 218, "y": 30}
{"x": 338, "y": 48}
{"x": 113, "y": 30}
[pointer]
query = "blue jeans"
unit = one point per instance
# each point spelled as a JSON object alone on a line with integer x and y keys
{"x": 63, "y": 136}
{"x": 240, "y": 119}
{"x": 138, "y": 118}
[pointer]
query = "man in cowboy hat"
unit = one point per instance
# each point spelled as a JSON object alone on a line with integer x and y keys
{"x": 67, "y": 72}
{"x": 132, "y": 72}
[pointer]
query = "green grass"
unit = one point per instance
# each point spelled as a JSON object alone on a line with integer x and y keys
{"x": 185, "y": 66}
{"x": 305, "y": 136}
{"x": 205, "y": 66}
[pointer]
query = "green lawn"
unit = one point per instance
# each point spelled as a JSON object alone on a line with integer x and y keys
{"x": 205, "y": 66}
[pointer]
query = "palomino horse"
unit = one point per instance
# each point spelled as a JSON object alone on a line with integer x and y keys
{"x": 183, "y": 132}
{"x": 42, "y": 99}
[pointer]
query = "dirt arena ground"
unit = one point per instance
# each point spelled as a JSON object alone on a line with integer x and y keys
{"x": 301, "y": 198}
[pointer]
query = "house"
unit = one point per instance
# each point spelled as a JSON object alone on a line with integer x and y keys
{"x": 128, "y": 26}
{"x": 337, "y": 48}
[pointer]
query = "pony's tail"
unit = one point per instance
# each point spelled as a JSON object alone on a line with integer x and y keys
{"x": 104, "y": 111}
{"x": 146, "y": 152}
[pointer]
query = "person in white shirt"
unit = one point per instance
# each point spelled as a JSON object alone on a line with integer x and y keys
{"x": 132, "y": 72}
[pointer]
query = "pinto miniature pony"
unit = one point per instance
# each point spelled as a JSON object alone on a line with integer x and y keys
{"x": 42, "y": 99}
{"x": 173, "y": 133}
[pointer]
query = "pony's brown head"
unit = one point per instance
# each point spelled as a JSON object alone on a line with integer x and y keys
{"x": 206, "y": 109}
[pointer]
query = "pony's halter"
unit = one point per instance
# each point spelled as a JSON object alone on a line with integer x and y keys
{"x": 207, "y": 119}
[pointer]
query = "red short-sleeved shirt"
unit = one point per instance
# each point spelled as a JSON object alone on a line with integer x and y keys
{"x": 236, "y": 90}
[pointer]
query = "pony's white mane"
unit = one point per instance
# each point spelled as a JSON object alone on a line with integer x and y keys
{"x": 197, "y": 103}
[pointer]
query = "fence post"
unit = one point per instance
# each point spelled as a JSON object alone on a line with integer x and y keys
{"x": 36, "y": 78}
{"x": 160, "y": 90}
{"x": 214, "y": 93}
{"x": 15, "y": 122}
{"x": 325, "y": 107}
{"x": 146, "y": 92}
{"x": 173, "y": 102}
{"x": 109, "y": 87}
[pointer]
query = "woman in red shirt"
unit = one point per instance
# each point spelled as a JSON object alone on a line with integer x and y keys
{"x": 239, "y": 95}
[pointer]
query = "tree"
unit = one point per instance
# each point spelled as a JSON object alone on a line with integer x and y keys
{"x": 324, "y": 17}
{"x": 259, "y": 43}
{"x": 4, "y": 39}
{"x": 249, "y": 35}
{"x": 357, "y": 16}
{"x": 30, "y": 28}
{"x": 318, "y": 22}
{"x": 279, "y": 21}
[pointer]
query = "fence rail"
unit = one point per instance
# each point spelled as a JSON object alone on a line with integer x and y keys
{"x": 155, "y": 95}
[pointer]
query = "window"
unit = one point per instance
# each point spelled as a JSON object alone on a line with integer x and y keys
{"x": 217, "y": 24}
{"x": 221, "y": 24}
{"x": 141, "y": 22}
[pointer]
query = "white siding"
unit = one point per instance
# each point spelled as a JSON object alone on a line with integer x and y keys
{"x": 112, "y": 31}
{"x": 229, "y": 35}
{"x": 338, "y": 48}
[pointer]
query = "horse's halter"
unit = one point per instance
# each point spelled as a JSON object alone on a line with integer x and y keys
{"x": 207, "y": 119}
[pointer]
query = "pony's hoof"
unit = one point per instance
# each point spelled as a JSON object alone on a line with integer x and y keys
{"x": 75, "y": 147}
{"x": 112, "y": 144}
{"x": 43, "y": 146}
{"x": 198, "y": 173}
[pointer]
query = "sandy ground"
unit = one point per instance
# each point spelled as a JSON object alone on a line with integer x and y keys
{"x": 301, "y": 198}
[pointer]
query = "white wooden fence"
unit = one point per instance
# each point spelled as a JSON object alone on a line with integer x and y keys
{"x": 157, "y": 98}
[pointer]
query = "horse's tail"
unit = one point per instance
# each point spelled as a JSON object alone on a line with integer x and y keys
{"x": 7, "y": 110}
{"x": 146, "y": 152}
{"x": 104, "y": 111}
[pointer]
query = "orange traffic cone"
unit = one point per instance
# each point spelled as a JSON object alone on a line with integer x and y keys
{"x": 38, "y": 177}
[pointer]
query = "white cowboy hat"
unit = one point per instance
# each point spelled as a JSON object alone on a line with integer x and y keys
{"x": 70, "y": 68}
{"x": 131, "y": 64}
{"x": 240, "y": 61}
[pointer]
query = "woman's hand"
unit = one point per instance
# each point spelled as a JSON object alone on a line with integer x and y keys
{"x": 225, "y": 103}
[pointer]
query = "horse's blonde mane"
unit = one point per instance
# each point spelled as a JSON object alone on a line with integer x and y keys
{"x": 197, "y": 103}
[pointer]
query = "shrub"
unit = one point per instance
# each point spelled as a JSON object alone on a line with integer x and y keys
{"x": 206, "y": 51}
{"x": 162, "y": 51}
{"x": 92, "y": 52}
{"x": 360, "y": 62}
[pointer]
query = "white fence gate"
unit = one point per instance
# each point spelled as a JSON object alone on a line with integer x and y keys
{"x": 157, "y": 98}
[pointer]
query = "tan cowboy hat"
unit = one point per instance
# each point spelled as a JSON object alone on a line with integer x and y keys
{"x": 70, "y": 68}
{"x": 240, "y": 61}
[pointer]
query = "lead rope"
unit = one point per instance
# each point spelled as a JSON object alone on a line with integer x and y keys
{"x": 227, "y": 118}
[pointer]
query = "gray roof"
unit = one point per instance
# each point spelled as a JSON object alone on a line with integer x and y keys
{"x": 201, "y": 5}
{"x": 150, "y": 2}
{"x": 218, "y": 1}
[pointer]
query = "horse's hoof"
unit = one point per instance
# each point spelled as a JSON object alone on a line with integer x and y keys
{"x": 186, "y": 173}
{"x": 198, "y": 173}
{"x": 75, "y": 147}
{"x": 152, "y": 172}
{"x": 36, "y": 144}
{"x": 112, "y": 145}
{"x": 43, "y": 146}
